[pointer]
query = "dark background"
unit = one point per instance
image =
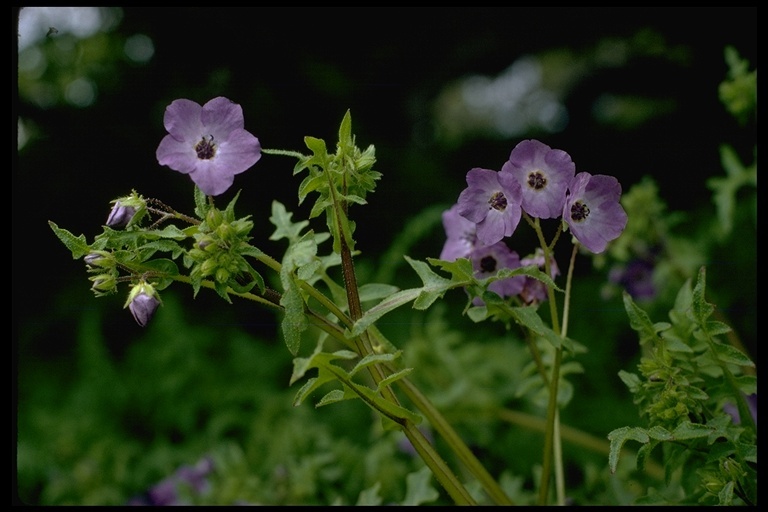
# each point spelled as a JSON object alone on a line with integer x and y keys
{"x": 297, "y": 70}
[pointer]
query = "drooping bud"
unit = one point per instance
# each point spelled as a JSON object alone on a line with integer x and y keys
{"x": 120, "y": 215}
{"x": 142, "y": 302}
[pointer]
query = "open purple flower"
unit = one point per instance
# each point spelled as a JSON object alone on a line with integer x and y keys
{"x": 492, "y": 201}
{"x": 488, "y": 260}
{"x": 209, "y": 143}
{"x": 543, "y": 174}
{"x": 592, "y": 210}
{"x": 460, "y": 235}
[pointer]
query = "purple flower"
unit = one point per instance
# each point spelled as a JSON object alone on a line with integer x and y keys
{"x": 460, "y": 233}
{"x": 534, "y": 291}
{"x": 492, "y": 201}
{"x": 731, "y": 409}
{"x": 543, "y": 174}
{"x": 592, "y": 210}
{"x": 488, "y": 260}
{"x": 209, "y": 143}
{"x": 166, "y": 492}
{"x": 142, "y": 302}
{"x": 636, "y": 278}
{"x": 120, "y": 215}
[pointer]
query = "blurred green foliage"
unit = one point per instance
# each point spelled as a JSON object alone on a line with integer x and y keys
{"x": 105, "y": 411}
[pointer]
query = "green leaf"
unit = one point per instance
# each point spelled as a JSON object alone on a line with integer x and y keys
{"x": 701, "y": 309}
{"x": 281, "y": 219}
{"x": 317, "y": 146}
{"x": 388, "y": 304}
{"x": 419, "y": 489}
{"x": 730, "y": 354}
{"x": 169, "y": 231}
{"x": 370, "y": 496}
{"x": 618, "y": 437}
{"x": 201, "y": 203}
{"x": 688, "y": 430}
{"x": 374, "y": 359}
{"x": 76, "y": 244}
{"x": 640, "y": 322}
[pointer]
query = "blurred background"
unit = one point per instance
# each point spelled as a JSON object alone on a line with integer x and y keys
{"x": 629, "y": 92}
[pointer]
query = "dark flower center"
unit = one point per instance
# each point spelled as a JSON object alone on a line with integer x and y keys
{"x": 205, "y": 149}
{"x": 579, "y": 211}
{"x": 488, "y": 264}
{"x": 536, "y": 180}
{"x": 498, "y": 201}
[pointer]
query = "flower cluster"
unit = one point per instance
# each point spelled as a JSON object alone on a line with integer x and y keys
{"x": 540, "y": 183}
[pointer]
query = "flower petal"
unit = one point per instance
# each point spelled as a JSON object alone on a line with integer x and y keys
{"x": 182, "y": 120}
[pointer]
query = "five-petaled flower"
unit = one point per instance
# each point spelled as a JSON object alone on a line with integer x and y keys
{"x": 209, "y": 143}
{"x": 492, "y": 201}
{"x": 487, "y": 260}
{"x": 592, "y": 210}
{"x": 543, "y": 174}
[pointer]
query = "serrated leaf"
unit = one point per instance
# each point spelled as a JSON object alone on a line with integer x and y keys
{"x": 688, "y": 430}
{"x": 660, "y": 433}
{"x": 76, "y": 244}
{"x": 631, "y": 380}
{"x": 730, "y": 354}
{"x": 640, "y": 322}
{"x": 747, "y": 384}
{"x": 170, "y": 231}
{"x": 201, "y": 204}
{"x": 618, "y": 437}
{"x": 281, "y": 219}
{"x": 701, "y": 309}
{"x": 713, "y": 328}
{"x": 334, "y": 396}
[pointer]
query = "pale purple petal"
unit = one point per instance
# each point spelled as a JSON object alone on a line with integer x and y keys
{"x": 543, "y": 174}
{"x": 461, "y": 235}
{"x": 222, "y": 116}
{"x": 178, "y": 155}
{"x": 182, "y": 120}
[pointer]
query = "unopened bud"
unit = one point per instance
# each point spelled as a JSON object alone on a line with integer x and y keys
{"x": 143, "y": 302}
{"x": 103, "y": 283}
{"x": 99, "y": 259}
{"x": 120, "y": 215}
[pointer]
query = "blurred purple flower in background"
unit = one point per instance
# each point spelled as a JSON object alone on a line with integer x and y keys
{"x": 167, "y": 492}
{"x": 731, "y": 409}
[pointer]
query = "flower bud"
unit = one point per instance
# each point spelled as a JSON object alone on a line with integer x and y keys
{"x": 213, "y": 218}
{"x": 99, "y": 259}
{"x": 142, "y": 302}
{"x": 104, "y": 283}
{"x": 120, "y": 216}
